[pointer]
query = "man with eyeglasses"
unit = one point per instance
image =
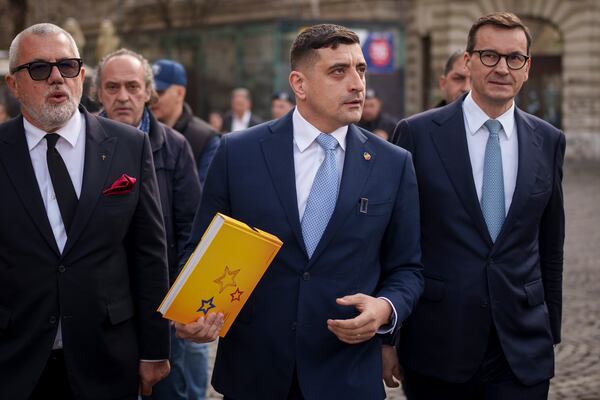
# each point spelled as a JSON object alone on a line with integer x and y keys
{"x": 82, "y": 247}
{"x": 492, "y": 222}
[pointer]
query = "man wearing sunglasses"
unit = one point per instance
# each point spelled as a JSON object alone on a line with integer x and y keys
{"x": 492, "y": 238}
{"x": 82, "y": 241}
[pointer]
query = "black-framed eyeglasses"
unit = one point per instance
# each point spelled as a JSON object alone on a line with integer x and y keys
{"x": 41, "y": 70}
{"x": 491, "y": 58}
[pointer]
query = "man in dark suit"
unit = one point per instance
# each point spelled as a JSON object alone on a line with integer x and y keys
{"x": 349, "y": 268}
{"x": 82, "y": 243}
{"x": 240, "y": 116}
{"x": 492, "y": 225}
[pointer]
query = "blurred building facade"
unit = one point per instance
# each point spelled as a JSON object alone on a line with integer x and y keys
{"x": 229, "y": 43}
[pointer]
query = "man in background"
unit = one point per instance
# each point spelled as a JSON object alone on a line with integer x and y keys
{"x": 281, "y": 104}
{"x": 172, "y": 110}
{"x": 375, "y": 120}
{"x": 454, "y": 82}
{"x": 240, "y": 116}
{"x": 125, "y": 88}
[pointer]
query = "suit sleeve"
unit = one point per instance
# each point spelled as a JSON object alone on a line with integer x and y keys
{"x": 402, "y": 278}
{"x": 147, "y": 256}
{"x": 215, "y": 198}
{"x": 186, "y": 196}
{"x": 402, "y": 136}
{"x": 551, "y": 242}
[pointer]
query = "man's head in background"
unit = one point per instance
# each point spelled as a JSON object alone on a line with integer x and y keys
{"x": 240, "y": 102}
{"x": 170, "y": 80}
{"x": 281, "y": 104}
{"x": 455, "y": 81}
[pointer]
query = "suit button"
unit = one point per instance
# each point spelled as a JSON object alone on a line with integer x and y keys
{"x": 294, "y": 325}
{"x": 484, "y": 304}
{"x": 306, "y": 276}
{"x": 52, "y": 319}
{"x": 61, "y": 268}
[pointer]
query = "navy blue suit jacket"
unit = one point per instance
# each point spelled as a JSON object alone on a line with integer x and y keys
{"x": 284, "y": 323}
{"x": 472, "y": 284}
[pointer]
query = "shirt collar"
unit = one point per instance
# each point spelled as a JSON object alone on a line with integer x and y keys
{"x": 476, "y": 117}
{"x": 305, "y": 133}
{"x": 70, "y": 132}
{"x": 245, "y": 118}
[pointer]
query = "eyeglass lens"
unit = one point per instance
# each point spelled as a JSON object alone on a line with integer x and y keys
{"x": 41, "y": 70}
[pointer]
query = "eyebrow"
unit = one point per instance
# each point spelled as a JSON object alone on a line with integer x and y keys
{"x": 345, "y": 65}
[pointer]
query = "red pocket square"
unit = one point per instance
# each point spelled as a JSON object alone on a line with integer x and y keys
{"x": 122, "y": 185}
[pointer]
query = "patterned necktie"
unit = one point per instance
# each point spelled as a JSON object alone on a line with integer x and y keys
{"x": 61, "y": 181}
{"x": 322, "y": 196}
{"x": 492, "y": 191}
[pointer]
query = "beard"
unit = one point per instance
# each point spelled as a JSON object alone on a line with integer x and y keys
{"x": 49, "y": 116}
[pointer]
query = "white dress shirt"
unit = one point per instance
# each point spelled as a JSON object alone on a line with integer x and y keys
{"x": 71, "y": 146}
{"x": 477, "y": 136}
{"x": 308, "y": 157}
{"x": 237, "y": 124}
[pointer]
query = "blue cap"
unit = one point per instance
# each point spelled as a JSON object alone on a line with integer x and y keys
{"x": 167, "y": 73}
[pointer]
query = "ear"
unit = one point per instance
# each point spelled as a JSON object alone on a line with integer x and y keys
{"x": 527, "y": 69}
{"x": 467, "y": 58}
{"x": 442, "y": 82}
{"x": 181, "y": 92}
{"x": 298, "y": 84}
{"x": 11, "y": 82}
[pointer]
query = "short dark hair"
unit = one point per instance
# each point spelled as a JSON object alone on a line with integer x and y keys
{"x": 318, "y": 37}
{"x": 505, "y": 20}
{"x": 451, "y": 60}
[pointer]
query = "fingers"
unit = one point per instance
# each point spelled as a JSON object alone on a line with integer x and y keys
{"x": 205, "y": 329}
{"x": 145, "y": 388}
{"x": 150, "y": 373}
{"x": 390, "y": 366}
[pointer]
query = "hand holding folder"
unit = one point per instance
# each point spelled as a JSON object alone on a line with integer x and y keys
{"x": 220, "y": 274}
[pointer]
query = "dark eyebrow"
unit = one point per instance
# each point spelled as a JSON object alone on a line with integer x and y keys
{"x": 338, "y": 65}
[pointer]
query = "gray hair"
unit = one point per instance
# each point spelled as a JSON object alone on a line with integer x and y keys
{"x": 148, "y": 74}
{"x": 43, "y": 29}
{"x": 241, "y": 92}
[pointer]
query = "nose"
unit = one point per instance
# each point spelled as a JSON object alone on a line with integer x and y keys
{"x": 502, "y": 66}
{"x": 122, "y": 94}
{"x": 356, "y": 82}
{"x": 55, "y": 76}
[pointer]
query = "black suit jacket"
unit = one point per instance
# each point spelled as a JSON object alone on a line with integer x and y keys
{"x": 472, "y": 284}
{"x": 105, "y": 286}
{"x": 228, "y": 120}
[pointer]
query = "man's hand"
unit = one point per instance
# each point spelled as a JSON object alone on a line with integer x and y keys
{"x": 374, "y": 313}
{"x": 151, "y": 373}
{"x": 204, "y": 330}
{"x": 391, "y": 371}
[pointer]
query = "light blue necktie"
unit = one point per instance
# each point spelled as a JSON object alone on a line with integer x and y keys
{"x": 492, "y": 191}
{"x": 322, "y": 196}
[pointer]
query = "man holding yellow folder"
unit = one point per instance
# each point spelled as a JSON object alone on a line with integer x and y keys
{"x": 345, "y": 205}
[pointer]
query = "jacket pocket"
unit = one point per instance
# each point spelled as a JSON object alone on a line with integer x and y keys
{"x": 535, "y": 292}
{"x": 120, "y": 310}
{"x": 435, "y": 289}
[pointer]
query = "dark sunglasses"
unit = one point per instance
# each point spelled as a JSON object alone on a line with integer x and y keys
{"x": 41, "y": 70}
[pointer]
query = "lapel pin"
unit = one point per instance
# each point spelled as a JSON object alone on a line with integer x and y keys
{"x": 103, "y": 157}
{"x": 367, "y": 156}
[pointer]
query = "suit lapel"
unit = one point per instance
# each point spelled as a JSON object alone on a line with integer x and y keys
{"x": 451, "y": 145}
{"x": 15, "y": 155}
{"x": 99, "y": 149}
{"x": 529, "y": 153}
{"x": 355, "y": 174}
{"x": 278, "y": 150}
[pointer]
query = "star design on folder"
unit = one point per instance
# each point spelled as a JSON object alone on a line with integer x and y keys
{"x": 236, "y": 296}
{"x": 206, "y": 306}
{"x": 227, "y": 279}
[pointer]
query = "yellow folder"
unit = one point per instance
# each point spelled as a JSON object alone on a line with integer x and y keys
{"x": 221, "y": 273}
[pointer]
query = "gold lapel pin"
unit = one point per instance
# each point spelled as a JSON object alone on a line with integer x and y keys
{"x": 367, "y": 156}
{"x": 103, "y": 157}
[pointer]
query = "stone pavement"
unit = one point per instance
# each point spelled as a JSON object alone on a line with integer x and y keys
{"x": 578, "y": 356}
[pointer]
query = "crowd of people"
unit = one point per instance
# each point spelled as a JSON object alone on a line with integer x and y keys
{"x": 427, "y": 251}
